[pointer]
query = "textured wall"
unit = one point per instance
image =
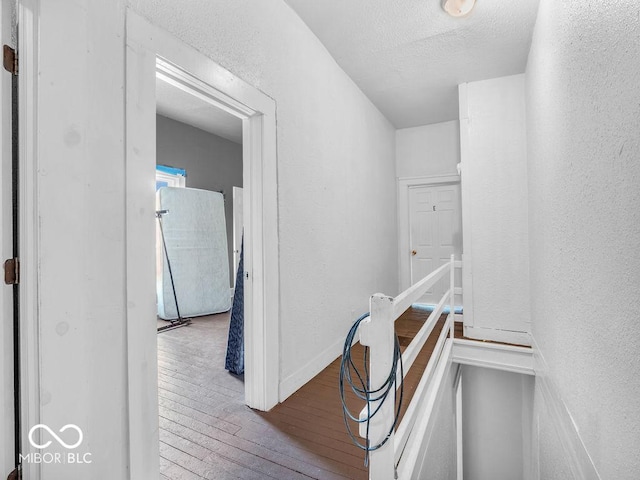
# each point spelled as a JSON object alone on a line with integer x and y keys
{"x": 336, "y": 191}
{"x": 494, "y": 203}
{"x": 428, "y": 150}
{"x": 584, "y": 184}
{"x": 439, "y": 458}
{"x": 212, "y": 163}
{"x": 496, "y": 423}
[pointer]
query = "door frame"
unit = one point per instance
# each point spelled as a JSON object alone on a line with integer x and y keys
{"x": 28, "y": 17}
{"x": 151, "y": 51}
{"x": 8, "y": 430}
{"x": 404, "y": 236}
{"x": 238, "y": 211}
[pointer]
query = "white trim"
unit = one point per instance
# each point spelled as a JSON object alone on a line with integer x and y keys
{"x": 150, "y": 50}
{"x": 404, "y": 241}
{"x": 28, "y": 21}
{"x": 466, "y": 206}
{"x": 313, "y": 367}
{"x": 140, "y": 269}
{"x": 172, "y": 179}
{"x": 411, "y": 464}
{"x": 7, "y": 430}
{"x": 429, "y": 179}
{"x": 415, "y": 409}
{"x": 558, "y": 415}
{"x": 490, "y": 355}
{"x": 494, "y": 334}
{"x": 457, "y": 388}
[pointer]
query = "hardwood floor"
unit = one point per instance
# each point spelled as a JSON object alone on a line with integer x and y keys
{"x": 206, "y": 431}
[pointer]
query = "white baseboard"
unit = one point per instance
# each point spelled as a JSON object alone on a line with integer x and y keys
{"x": 573, "y": 447}
{"x": 293, "y": 382}
{"x": 495, "y": 335}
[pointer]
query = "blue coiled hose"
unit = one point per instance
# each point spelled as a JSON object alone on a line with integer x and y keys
{"x": 360, "y": 386}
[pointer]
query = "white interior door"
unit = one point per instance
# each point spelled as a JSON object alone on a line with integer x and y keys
{"x": 435, "y": 232}
{"x": 237, "y": 229}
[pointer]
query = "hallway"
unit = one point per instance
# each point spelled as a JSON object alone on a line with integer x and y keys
{"x": 206, "y": 431}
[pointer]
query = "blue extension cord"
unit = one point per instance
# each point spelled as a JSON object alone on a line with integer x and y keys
{"x": 362, "y": 388}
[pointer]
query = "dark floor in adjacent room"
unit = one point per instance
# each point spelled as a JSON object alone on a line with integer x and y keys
{"x": 206, "y": 431}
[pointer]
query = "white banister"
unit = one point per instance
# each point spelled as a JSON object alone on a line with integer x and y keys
{"x": 413, "y": 349}
{"x": 412, "y": 294}
{"x": 406, "y": 427}
{"x": 377, "y": 332}
{"x": 407, "y": 465}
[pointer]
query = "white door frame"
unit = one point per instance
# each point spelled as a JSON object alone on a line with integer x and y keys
{"x": 151, "y": 51}
{"x": 6, "y": 248}
{"x": 238, "y": 211}
{"x": 28, "y": 16}
{"x": 404, "y": 237}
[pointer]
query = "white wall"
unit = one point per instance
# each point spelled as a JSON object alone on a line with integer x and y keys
{"x": 337, "y": 219}
{"x": 494, "y": 207}
{"x": 496, "y": 425}
{"x": 212, "y": 163}
{"x": 584, "y": 184}
{"x": 428, "y": 150}
{"x": 438, "y": 460}
{"x": 6, "y": 251}
{"x": 425, "y": 151}
{"x": 336, "y": 192}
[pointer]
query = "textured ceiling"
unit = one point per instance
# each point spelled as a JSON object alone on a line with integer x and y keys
{"x": 179, "y": 105}
{"x": 408, "y": 56}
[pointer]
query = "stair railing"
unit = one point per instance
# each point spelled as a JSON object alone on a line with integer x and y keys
{"x": 398, "y": 456}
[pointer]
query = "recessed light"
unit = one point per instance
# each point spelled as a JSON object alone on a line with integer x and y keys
{"x": 458, "y": 8}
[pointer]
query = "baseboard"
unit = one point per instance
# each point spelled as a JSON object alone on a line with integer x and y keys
{"x": 573, "y": 447}
{"x": 293, "y": 382}
{"x": 496, "y": 335}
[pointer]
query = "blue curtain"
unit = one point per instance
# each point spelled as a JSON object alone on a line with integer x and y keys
{"x": 235, "y": 344}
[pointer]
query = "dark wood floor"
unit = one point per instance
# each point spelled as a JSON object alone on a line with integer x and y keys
{"x": 206, "y": 431}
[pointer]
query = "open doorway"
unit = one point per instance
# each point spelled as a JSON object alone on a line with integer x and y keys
{"x": 198, "y": 147}
{"x": 152, "y": 52}
{"x": 200, "y": 314}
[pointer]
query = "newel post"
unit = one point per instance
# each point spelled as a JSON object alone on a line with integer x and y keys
{"x": 378, "y": 334}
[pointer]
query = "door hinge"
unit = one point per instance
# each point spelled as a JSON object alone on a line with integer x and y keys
{"x": 10, "y": 60}
{"x": 12, "y": 271}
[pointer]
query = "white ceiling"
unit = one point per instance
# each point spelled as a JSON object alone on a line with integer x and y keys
{"x": 408, "y": 56}
{"x": 179, "y": 105}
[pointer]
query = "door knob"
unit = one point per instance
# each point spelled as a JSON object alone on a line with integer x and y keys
{"x": 413, "y": 252}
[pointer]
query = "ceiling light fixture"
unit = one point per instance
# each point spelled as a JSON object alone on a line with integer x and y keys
{"x": 458, "y": 8}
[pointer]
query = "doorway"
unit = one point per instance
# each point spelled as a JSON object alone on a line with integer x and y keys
{"x": 153, "y": 52}
{"x": 430, "y": 231}
{"x": 199, "y": 166}
{"x": 434, "y": 235}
